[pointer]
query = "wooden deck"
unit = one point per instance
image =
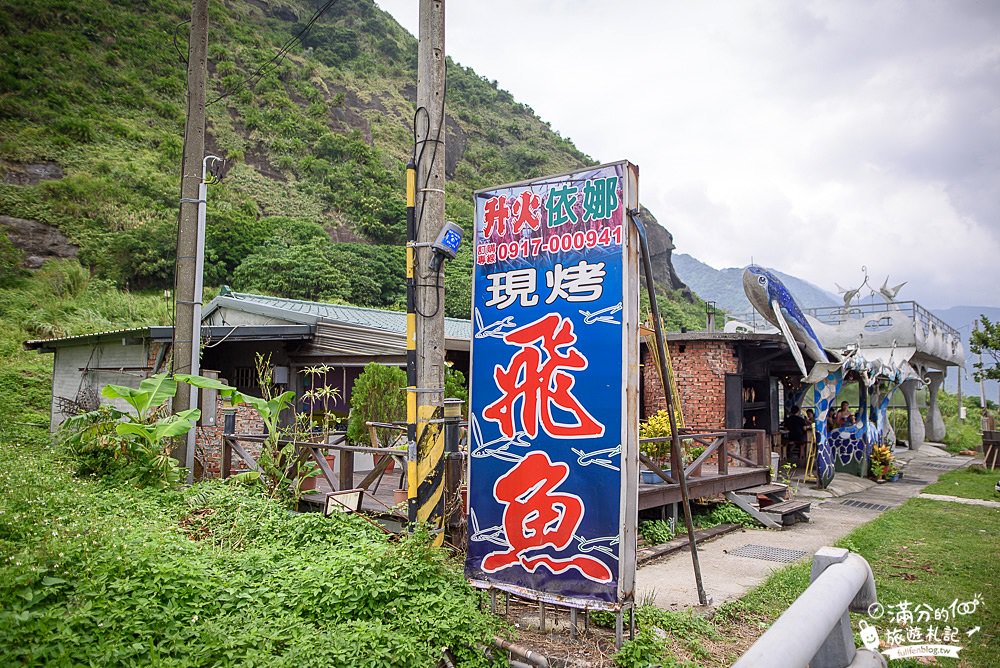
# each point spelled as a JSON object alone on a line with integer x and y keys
{"x": 376, "y": 501}
{"x": 731, "y": 461}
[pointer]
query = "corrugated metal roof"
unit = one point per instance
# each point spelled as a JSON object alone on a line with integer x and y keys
{"x": 130, "y": 333}
{"x": 390, "y": 321}
{"x": 165, "y": 333}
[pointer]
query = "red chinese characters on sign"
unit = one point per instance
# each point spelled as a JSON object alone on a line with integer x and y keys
{"x": 537, "y": 517}
{"x": 525, "y": 210}
{"x": 520, "y": 211}
{"x": 495, "y": 215}
{"x": 537, "y": 380}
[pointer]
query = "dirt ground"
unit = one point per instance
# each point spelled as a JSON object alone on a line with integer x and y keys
{"x": 594, "y": 645}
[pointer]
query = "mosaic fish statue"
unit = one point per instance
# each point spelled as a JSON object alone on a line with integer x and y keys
{"x": 775, "y": 303}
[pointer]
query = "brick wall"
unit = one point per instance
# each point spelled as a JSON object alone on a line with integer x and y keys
{"x": 209, "y": 440}
{"x": 701, "y": 370}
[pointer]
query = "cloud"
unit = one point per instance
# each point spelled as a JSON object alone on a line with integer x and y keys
{"x": 816, "y": 137}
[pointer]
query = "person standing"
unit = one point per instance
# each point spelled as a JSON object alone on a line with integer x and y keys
{"x": 810, "y": 465}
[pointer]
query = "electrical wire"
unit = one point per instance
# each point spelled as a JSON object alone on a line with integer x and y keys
{"x": 437, "y": 294}
{"x": 258, "y": 74}
{"x": 180, "y": 56}
{"x": 423, "y": 147}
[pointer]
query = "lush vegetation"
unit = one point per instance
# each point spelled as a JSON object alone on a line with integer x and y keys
{"x": 95, "y": 574}
{"x": 316, "y": 144}
{"x": 925, "y": 552}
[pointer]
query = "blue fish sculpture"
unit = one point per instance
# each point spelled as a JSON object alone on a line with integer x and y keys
{"x": 775, "y": 303}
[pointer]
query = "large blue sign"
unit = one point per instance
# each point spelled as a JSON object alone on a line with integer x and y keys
{"x": 548, "y": 422}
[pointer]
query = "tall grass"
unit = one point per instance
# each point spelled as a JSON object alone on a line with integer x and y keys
{"x": 59, "y": 300}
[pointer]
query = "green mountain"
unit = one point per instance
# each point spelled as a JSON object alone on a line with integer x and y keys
{"x": 315, "y": 141}
{"x": 725, "y": 286}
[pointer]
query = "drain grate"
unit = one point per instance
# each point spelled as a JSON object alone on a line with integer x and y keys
{"x": 768, "y": 553}
{"x": 853, "y": 503}
{"x": 939, "y": 467}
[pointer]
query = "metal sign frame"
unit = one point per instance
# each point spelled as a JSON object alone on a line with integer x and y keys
{"x": 554, "y": 400}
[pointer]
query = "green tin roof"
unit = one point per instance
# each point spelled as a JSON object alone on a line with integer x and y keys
{"x": 299, "y": 310}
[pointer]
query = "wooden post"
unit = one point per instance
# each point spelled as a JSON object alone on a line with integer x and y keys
{"x": 228, "y": 429}
{"x": 346, "y": 469}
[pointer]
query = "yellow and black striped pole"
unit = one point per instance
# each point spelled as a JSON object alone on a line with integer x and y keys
{"x": 424, "y": 421}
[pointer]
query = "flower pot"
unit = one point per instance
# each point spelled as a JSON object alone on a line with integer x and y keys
{"x": 650, "y": 477}
{"x": 400, "y": 496}
{"x": 309, "y": 484}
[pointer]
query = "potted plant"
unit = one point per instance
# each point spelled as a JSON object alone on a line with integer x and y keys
{"x": 883, "y": 464}
{"x": 654, "y": 442}
{"x": 693, "y": 452}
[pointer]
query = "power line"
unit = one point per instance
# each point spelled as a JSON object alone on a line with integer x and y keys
{"x": 258, "y": 74}
{"x": 423, "y": 145}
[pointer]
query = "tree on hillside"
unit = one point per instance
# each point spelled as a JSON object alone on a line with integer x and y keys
{"x": 985, "y": 340}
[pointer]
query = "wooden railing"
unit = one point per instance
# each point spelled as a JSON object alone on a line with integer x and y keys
{"x": 716, "y": 443}
{"x": 316, "y": 452}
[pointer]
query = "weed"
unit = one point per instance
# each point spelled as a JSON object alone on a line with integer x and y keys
{"x": 726, "y": 513}
{"x": 655, "y": 532}
{"x": 215, "y": 575}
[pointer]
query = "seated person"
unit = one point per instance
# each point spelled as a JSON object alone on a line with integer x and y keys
{"x": 844, "y": 416}
{"x": 796, "y": 426}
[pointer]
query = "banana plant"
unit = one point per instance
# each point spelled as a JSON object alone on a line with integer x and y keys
{"x": 269, "y": 409}
{"x": 280, "y": 472}
{"x": 146, "y": 399}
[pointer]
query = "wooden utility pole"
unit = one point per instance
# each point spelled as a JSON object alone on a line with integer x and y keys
{"x": 425, "y": 400}
{"x": 185, "y": 347}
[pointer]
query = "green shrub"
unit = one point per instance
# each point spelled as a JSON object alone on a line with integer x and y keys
{"x": 214, "y": 576}
{"x": 655, "y": 532}
{"x": 10, "y": 262}
{"x": 726, "y": 513}
{"x": 379, "y": 395}
{"x": 65, "y": 278}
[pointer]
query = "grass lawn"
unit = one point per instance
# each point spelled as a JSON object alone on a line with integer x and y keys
{"x": 970, "y": 483}
{"x": 925, "y": 552}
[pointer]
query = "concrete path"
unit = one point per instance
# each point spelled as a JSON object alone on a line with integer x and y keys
{"x": 958, "y": 499}
{"x": 669, "y": 583}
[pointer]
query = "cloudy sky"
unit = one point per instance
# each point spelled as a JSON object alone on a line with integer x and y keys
{"x": 813, "y": 137}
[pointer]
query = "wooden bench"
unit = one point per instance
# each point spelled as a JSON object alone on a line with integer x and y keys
{"x": 788, "y": 513}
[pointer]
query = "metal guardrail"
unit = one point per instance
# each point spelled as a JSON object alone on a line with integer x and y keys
{"x": 878, "y": 312}
{"x": 815, "y": 631}
{"x": 835, "y": 315}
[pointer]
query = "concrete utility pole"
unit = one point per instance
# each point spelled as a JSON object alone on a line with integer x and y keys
{"x": 185, "y": 344}
{"x": 425, "y": 398}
